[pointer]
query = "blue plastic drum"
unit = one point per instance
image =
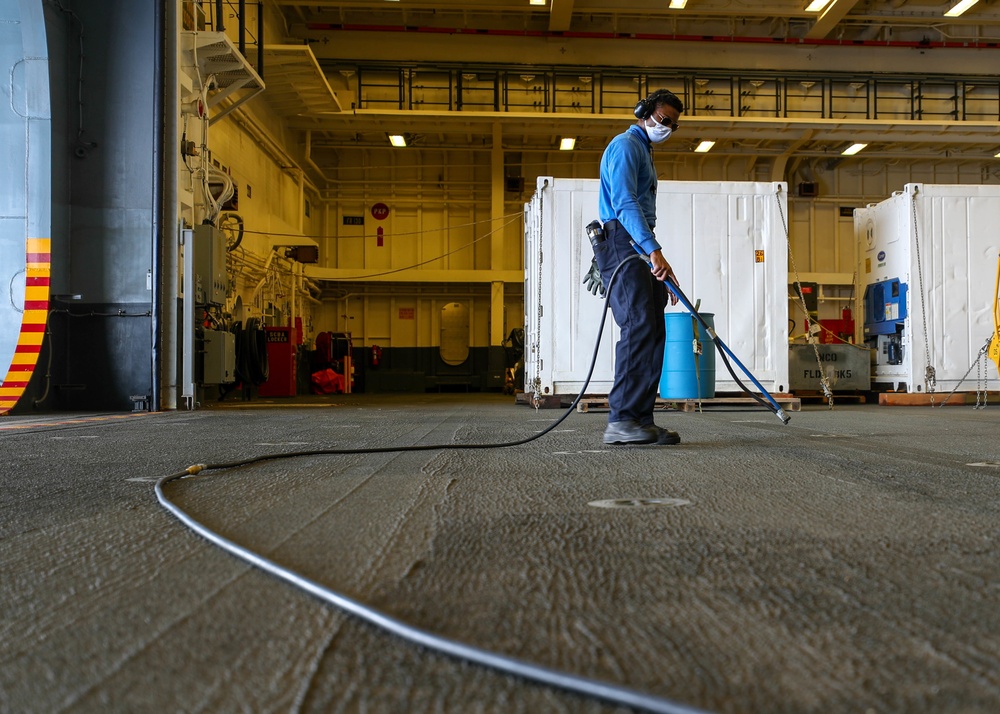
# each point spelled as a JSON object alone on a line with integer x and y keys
{"x": 686, "y": 375}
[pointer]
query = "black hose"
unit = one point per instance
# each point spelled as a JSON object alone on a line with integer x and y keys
{"x": 581, "y": 685}
{"x": 759, "y": 399}
{"x": 242, "y": 370}
{"x": 257, "y": 345}
{"x": 229, "y": 222}
{"x": 252, "y": 366}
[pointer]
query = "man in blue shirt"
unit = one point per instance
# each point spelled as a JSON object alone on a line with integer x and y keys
{"x": 628, "y": 211}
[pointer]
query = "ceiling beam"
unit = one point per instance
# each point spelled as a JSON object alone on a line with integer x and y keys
{"x": 781, "y": 162}
{"x": 560, "y": 12}
{"x": 830, "y": 18}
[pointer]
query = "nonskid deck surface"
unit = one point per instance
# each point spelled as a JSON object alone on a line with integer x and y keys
{"x": 841, "y": 562}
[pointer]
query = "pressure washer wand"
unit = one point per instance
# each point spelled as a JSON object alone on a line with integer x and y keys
{"x": 775, "y": 407}
{"x": 771, "y": 403}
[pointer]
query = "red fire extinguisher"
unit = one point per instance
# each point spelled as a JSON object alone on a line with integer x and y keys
{"x": 376, "y": 356}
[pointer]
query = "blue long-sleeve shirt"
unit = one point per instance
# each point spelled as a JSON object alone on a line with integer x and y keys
{"x": 628, "y": 186}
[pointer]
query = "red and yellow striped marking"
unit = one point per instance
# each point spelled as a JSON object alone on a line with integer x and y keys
{"x": 36, "y": 311}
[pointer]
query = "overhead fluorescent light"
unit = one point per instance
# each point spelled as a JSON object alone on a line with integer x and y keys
{"x": 537, "y": 2}
{"x": 567, "y": 143}
{"x": 677, "y": 4}
{"x": 397, "y": 139}
{"x": 817, "y": 5}
{"x": 960, "y": 7}
{"x": 704, "y": 147}
{"x": 853, "y": 149}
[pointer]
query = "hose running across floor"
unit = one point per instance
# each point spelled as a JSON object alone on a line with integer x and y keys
{"x": 584, "y": 686}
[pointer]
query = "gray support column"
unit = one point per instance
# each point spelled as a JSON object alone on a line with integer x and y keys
{"x": 167, "y": 321}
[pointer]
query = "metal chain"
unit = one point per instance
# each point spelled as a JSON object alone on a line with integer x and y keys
{"x": 979, "y": 357}
{"x": 983, "y": 374}
{"x": 930, "y": 375}
{"x": 827, "y": 392}
{"x": 980, "y": 386}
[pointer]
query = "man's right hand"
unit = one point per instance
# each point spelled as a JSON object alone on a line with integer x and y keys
{"x": 662, "y": 271}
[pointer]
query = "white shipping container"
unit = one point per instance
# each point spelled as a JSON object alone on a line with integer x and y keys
{"x": 927, "y": 260}
{"x": 727, "y": 244}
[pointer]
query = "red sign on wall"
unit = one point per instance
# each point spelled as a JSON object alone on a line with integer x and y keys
{"x": 380, "y": 211}
{"x": 407, "y": 313}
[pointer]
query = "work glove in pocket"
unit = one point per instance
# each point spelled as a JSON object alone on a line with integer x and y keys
{"x": 592, "y": 280}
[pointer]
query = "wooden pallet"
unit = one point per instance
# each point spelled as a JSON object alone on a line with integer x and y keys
{"x": 786, "y": 401}
{"x": 936, "y": 399}
{"x": 600, "y": 404}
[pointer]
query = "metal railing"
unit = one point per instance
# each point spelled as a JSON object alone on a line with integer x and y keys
{"x": 212, "y": 15}
{"x": 705, "y": 92}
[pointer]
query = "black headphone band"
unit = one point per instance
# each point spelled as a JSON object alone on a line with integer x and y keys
{"x": 644, "y": 109}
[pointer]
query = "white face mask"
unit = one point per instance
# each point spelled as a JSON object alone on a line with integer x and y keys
{"x": 657, "y": 133}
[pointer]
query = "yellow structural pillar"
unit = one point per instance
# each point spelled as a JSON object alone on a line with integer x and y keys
{"x": 497, "y": 253}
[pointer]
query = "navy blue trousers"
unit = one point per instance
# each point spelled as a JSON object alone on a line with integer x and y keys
{"x": 637, "y": 303}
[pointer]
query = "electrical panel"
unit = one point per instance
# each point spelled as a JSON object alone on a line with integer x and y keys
{"x": 209, "y": 265}
{"x": 885, "y": 306}
{"x": 219, "y": 357}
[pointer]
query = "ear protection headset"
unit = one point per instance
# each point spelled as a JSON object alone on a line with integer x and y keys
{"x": 645, "y": 108}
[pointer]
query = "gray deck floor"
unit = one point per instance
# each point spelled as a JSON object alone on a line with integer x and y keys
{"x": 845, "y": 562}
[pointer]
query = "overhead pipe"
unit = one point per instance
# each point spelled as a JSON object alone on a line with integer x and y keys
{"x": 657, "y": 37}
{"x": 302, "y": 201}
{"x": 312, "y": 162}
{"x": 270, "y": 146}
{"x": 255, "y": 264}
{"x": 291, "y": 272}
{"x": 260, "y": 286}
{"x": 311, "y": 286}
{"x": 781, "y": 161}
{"x": 303, "y": 287}
{"x": 296, "y": 267}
